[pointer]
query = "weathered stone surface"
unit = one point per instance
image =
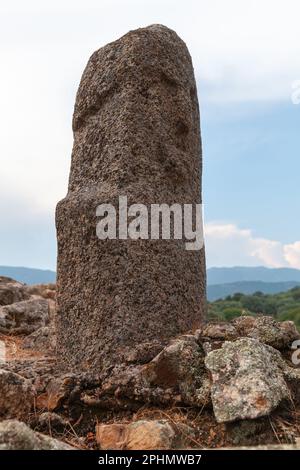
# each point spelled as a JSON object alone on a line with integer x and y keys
{"x": 218, "y": 331}
{"x": 136, "y": 134}
{"x": 139, "y": 435}
{"x": 178, "y": 374}
{"x": 39, "y": 371}
{"x": 11, "y": 291}
{"x": 24, "y": 317}
{"x": 111, "y": 436}
{"x": 58, "y": 391}
{"x": 247, "y": 380}
{"x": 15, "y": 435}
{"x": 279, "y": 335}
{"x": 43, "y": 340}
{"x": 16, "y": 395}
{"x": 147, "y": 435}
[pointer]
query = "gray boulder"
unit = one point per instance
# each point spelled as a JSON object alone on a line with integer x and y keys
{"x": 11, "y": 291}
{"x": 15, "y": 435}
{"x": 279, "y": 335}
{"x": 247, "y": 380}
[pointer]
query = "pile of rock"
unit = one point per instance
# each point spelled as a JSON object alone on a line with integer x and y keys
{"x": 241, "y": 370}
{"x": 28, "y": 310}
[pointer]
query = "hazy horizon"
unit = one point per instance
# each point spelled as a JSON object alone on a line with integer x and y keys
{"x": 245, "y": 72}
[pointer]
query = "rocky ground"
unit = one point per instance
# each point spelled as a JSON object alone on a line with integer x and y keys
{"x": 227, "y": 385}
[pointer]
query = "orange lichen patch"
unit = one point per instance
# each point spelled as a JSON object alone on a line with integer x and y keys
{"x": 261, "y": 402}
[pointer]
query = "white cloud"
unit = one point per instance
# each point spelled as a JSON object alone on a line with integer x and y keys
{"x": 292, "y": 254}
{"x": 237, "y": 50}
{"x": 227, "y": 242}
{"x": 241, "y": 51}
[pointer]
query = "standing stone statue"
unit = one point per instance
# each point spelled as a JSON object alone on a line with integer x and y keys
{"x": 136, "y": 134}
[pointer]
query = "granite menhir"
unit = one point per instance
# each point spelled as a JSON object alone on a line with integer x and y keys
{"x": 136, "y": 134}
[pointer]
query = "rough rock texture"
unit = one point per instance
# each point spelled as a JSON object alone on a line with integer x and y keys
{"x": 178, "y": 373}
{"x": 16, "y": 395}
{"x": 218, "y": 331}
{"x": 279, "y": 335}
{"x": 15, "y": 435}
{"x": 136, "y": 134}
{"x": 39, "y": 371}
{"x": 111, "y": 436}
{"x": 139, "y": 435}
{"x": 58, "y": 390}
{"x": 176, "y": 376}
{"x": 43, "y": 339}
{"x": 143, "y": 435}
{"x": 11, "y": 291}
{"x": 247, "y": 380}
{"x": 24, "y": 317}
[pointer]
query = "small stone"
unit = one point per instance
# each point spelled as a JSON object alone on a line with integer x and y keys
{"x": 148, "y": 435}
{"x": 139, "y": 435}
{"x": 247, "y": 380}
{"x": 58, "y": 391}
{"x": 16, "y": 395}
{"x": 15, "y": 435}
{"x": 111, "y": 436}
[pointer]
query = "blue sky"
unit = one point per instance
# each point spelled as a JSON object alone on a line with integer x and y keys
{"x": 246, "y": 58}
{"x": 252, "y": 167}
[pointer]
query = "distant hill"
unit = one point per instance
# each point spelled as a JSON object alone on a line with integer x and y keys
{"x": 260, "y": 273}
{"x": 28, "y": 275}
{"x": 221, "y": 281}
{"x": 220, "y": 291}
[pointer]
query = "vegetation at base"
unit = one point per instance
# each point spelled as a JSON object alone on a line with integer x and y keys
{"x": 282, "y": 306}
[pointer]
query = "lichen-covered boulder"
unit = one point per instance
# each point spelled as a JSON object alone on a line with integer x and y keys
{"x": 178, "y": 372}
{"x": 279, "y": 335}
{"x": 247, "y": 380}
